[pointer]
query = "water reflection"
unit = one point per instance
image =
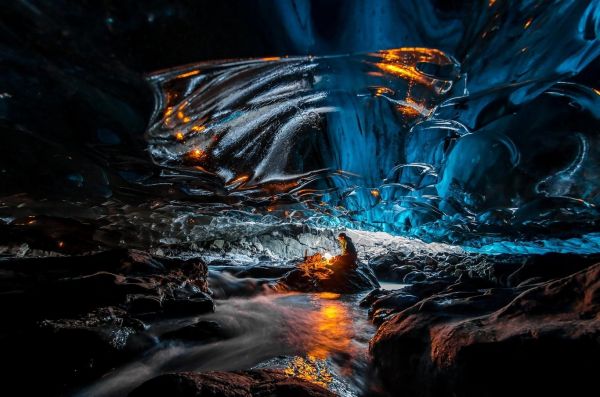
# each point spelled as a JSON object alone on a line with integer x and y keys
{"x": 332, "y": 334}
{"x": 319, "y": 337}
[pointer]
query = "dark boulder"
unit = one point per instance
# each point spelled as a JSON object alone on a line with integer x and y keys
{"x": 345, "y": 281}
{"x": 202, "y": 331}
{"x": 229, "y": 384}
{"x": 414, "y": 276}
{"x": 537, "y": 340}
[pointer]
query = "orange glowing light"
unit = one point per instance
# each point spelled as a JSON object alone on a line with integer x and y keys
{"x": 379, "y": 91}
{"x": 329, "y": 295}
{"x": 597, "y": 91}
{"x": 491, "y": 3}
{"x": 180, "y": 115}
{"x": 61, "y": 244}
{"x": 403, "y": 62}
{"x": 375, "y": 193}
{"x": 271, "y": 58}
{"x": 188, "y": 74}
{"x": 316, "y": 266}
{"x": 196, "y": 154}
{"x": 278, "y": 187}
{"x": 198, "y": 128}
{"x": 401, "y": 71}
{"x": 239, "y": 179}
{"x": 528, "y": 23}
{"x": 311, "y": 369}
{"x": 179, "y": 136}
{"x": 332, "y": 330}
{"x": 411, "y": 108}
{"x": 187, "y": 119}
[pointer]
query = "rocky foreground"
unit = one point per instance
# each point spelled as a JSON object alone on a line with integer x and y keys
{"x": 525, "y": 326}
{"x": 463, "y": 325}
{"x": 72, "y": 319}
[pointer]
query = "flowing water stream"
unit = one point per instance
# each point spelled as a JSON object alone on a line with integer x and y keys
{"x": 321, "y": 337}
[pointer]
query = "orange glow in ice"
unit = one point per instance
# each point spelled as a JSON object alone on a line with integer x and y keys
{"x": 528, "y": 23}
{"x": 179, "y": 136}
{"x": 239, "y": 179}
{"x": 196, "y": 154}
{"x": 188, "y": 74}
{"x": 198, "y": 128}
{"x": 402, "y": 62}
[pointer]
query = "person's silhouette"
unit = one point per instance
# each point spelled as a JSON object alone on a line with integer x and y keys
{"x": 349, "y": 255}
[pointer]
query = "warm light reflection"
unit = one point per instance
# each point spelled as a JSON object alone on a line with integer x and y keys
{"x": 412, "y": 108}
{"x": 271, "y": 58}
{"x": 188, "y": 74}
{"x": 196, "y": 154}
{"x": 179, "y": 136}
{"x": 379, "y": 91}
{"x": 310, "y": 369}
{"x": 528, "y": 23}
{"x": 331, "y": 332}
{"x": 332, "y": 329}
{"x": 316, "y": 266}
{"x": 402, "y": 62}
{"x": 239, "y": 180}
{"x": 198, "y": 128}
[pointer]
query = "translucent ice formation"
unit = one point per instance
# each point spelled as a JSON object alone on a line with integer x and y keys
{"x": 388, "y": 141}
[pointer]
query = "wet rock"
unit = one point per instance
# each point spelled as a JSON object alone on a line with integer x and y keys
{"x": 78, "y": 317}
{"x": 547, "y": 267}
{"x": 66, "y": 286}
{"x": 372, "y": 297}
{"x": 384, "y": 265}
{"x": 400, "y": 272}
{"x": 143, "y": 304}
{"x": 225, "y": 285}
{"x": 73, "y": 351}
{"x": 263, "y": 271}
{"x": 229, "y": 384}
{"x": 341, "y": 281}
{"x": 197, "y": 303}
{"x": 202, "y": 331}
{"x": 414, "y": 277}
{"x": 393, "y": 302}
{"x": 539, "y": 340}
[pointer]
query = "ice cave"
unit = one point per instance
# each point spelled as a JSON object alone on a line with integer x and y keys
{"x": 251, "y": 198}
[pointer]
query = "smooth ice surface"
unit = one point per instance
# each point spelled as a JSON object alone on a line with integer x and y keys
{"x": 471, "y": 123}
{"x": 396, "y": 140}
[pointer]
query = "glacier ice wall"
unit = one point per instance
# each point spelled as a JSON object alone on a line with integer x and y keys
{"x": 477, "y": 125}
{"x": 396, "y": 140}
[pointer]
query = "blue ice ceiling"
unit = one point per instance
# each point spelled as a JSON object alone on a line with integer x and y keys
{"x": 481, "y": 126}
